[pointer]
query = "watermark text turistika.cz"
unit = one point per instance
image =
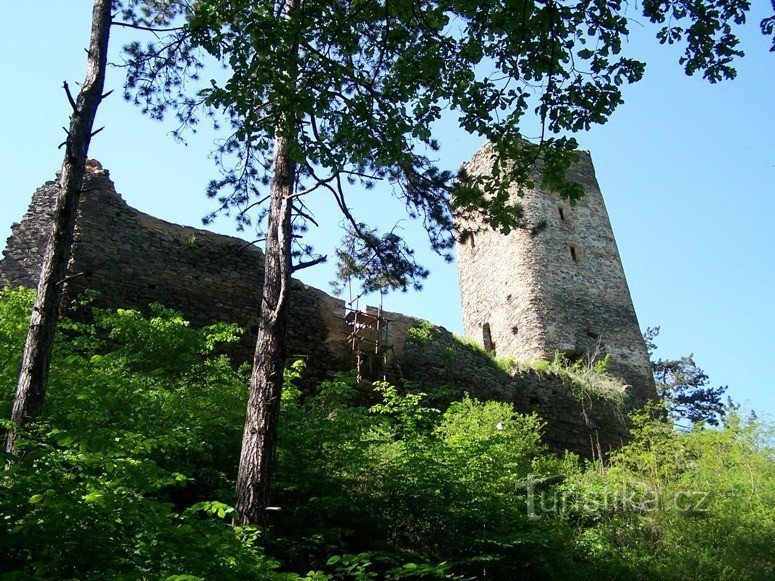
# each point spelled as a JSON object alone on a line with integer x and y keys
{"x": 627, "y": 497}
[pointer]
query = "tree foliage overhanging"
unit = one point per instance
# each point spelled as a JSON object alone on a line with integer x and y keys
{"x": 361, "y": 85}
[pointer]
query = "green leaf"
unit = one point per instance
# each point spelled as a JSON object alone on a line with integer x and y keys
{"x": 95, "y": 496}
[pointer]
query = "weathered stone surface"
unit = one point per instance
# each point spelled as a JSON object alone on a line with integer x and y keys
{"x": 562, "y": 289}
{"x": 134, "y": 259}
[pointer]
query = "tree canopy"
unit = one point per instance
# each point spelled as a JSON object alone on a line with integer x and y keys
{"x": 683, "y": 387}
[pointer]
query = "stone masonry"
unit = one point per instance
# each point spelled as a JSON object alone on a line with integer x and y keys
{"x": 133, "y": 259}
{"x": 558, "y": 289}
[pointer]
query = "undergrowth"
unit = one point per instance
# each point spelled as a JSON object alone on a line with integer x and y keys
{"x": 129, "y": 473}
{"x": 589, "y": 377}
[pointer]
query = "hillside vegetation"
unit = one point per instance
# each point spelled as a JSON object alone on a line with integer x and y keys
{"x": 129, "y": 473}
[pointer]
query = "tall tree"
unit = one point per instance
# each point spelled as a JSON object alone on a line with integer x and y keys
{"x": 30, "y": 391}
{"x": 325, "y": 97}
{"x": 683, "y": 387}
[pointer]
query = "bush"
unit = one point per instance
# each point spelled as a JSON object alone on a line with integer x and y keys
{"x": 405, "y": 481}
{"x": 678, "y": 505}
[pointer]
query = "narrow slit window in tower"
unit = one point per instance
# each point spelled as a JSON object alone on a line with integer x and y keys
{"x": 561, "y": 212}
{"x": 574, "y": 253}
{"x": 489, "y": 346}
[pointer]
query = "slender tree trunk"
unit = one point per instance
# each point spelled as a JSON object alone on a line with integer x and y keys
{"x": 266, "y": 382}
{"x": 30, "y": 391}
{"x": 259, "y": 438}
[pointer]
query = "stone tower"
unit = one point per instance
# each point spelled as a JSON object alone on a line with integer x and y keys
{"x": 561, "y": 289}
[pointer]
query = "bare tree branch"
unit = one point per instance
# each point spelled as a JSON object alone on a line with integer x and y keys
{"x": 309, "y": 263}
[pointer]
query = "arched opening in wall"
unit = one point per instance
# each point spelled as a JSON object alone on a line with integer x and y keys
{"x": 575, "y": 253}
{"x": 561, "y": 212}
{"x": 489, "y": 346}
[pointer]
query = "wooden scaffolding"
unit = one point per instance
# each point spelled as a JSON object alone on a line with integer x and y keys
{"x": 368, "y": 339}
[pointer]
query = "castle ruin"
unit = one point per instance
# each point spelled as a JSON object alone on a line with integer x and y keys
{"x": 524, "y": 297}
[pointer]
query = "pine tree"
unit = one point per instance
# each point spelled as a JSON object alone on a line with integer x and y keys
{"x": 31, "y": 388}
{"x": 323, "y": 98}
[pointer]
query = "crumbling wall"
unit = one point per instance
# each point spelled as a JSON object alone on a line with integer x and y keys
{"x": 133, "y": 259}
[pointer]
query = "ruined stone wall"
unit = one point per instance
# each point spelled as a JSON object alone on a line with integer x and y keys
{"x": 561, "y": 289}
{"x": 133, "y": 259}
{"x": 446, "y": 368}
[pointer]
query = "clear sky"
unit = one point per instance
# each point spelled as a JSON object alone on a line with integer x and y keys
{"x": 687, "y": 170}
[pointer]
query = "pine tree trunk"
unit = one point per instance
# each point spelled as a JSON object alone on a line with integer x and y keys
{"x": 259, "y": 438}
{"x": 30, "y": 391}
{"x": 266, "y": 382}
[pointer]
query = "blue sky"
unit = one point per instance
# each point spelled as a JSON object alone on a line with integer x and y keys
{"x": 687, "y": 170}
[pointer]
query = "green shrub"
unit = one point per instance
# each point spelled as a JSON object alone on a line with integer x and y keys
{"x": 140, "y": 419}
{"x": 677, "y": 505}
{"x": 405, "y": 481}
